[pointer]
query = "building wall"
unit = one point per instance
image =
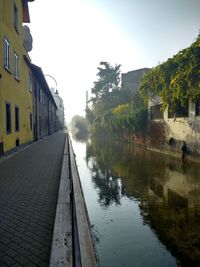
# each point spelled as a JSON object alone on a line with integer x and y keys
{"x": 44, "y": 110}
{"x": 41, "y": 115}
{"x": 60, "y": 111}
{"x": 52, "y": 118}
{"x": 180, "y": 129}
{"x": 14, "y": 92}
{"x": 131, "y": 79}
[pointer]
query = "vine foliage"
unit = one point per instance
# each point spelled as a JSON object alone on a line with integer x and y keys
{"x": 177, "y": 79}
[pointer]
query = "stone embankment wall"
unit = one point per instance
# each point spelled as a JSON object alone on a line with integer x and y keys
{"x": 168, "y": 133}
{"x": 167, "y": 136}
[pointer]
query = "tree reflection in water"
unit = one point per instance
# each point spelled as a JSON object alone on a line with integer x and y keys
{"x": 167, "y": 190}
{"x": 103, "y": 177}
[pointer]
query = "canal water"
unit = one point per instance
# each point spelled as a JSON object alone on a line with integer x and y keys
{"x": 144, "y": 207}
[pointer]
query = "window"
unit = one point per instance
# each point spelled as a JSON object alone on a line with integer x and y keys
{"x": 197, "y": 107}
{"x": 8, "y": 118}
{"x": 31, "y": 121}
{"x": 50, "y": 112}
{"x": 40, "y": 126}
{"x": 40, "y": 95}
{"x": 156, "y": 112}
{"x": 43, "y": 98}
{"x": 6, "y": 54}
{"x": 16, "y": 66}
{"x": 16, "y": 119}
{"x": 15, "y": 20}
{"x": 30, "y": 82}
{"x": 179, "y": 110}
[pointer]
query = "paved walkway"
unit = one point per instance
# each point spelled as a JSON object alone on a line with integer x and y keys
{"x": 29, "y": 183}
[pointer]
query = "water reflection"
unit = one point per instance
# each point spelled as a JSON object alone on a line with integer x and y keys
{"x": 167, "y": 190}
{"x": 105, "y": 180}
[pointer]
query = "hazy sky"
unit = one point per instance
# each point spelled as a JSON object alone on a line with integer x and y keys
{"x": 71, "y": 37}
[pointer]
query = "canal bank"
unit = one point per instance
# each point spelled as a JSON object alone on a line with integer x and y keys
{"x": 158, "y": 143}
{"x": 176, "y": 155}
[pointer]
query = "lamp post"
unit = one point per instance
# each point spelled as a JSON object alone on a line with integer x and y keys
{"x": 53, "y": 79}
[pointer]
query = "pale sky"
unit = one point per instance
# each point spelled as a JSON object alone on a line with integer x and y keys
{"x": 71, "y": 37}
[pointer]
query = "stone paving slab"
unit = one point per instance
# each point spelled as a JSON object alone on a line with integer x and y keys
{"x": 29, "y": 183}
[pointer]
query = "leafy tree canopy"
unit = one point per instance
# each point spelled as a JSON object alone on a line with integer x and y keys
{"x": 114, "y": 110}
{"x": 108, "y": 81}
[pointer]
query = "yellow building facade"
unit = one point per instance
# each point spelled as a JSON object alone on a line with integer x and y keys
{"x": 15, "y": 94}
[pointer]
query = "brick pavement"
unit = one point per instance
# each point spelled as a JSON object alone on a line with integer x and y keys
{"x": 29, "y": 183}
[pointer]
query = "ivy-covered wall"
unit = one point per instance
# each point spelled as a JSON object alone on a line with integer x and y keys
{"x": 172, "y": 84}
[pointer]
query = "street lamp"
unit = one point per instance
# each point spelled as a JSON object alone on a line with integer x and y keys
{"x": 53, "y": 79}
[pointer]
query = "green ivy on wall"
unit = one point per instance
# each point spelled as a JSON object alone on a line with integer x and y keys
{"x": 177, "y": 79}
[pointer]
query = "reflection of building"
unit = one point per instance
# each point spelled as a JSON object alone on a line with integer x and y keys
{"x": 174, "y": 212}
{"x": 183, "y": 186}
{"x": 15, "y": 98}
{"x": 178, "y": 188}
{"x": 167, "y": 191}
{"x": 60, "y": 110}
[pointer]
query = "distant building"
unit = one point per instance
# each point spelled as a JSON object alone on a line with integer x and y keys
{"x": 60, "y": 111}
{"x": 16, "y": 111}
{"x": 44, "y": 105}
{"x": 131, "y": 79}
